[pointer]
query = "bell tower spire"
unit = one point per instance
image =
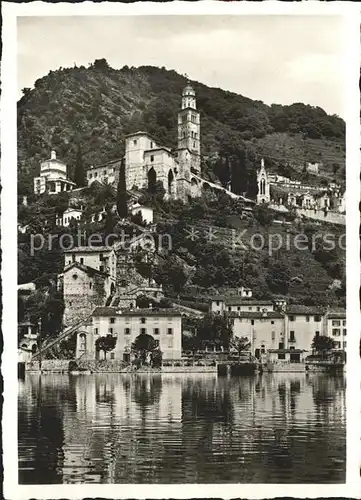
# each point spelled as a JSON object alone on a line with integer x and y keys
{"x": 189, "y": 122}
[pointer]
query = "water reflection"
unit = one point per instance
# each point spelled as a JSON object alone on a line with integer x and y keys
{"x": 113, "y": 428}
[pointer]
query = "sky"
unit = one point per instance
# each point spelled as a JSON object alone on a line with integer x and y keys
{"x": 274, "y": 59}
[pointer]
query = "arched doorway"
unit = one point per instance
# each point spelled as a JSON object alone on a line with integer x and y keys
{"x": 171, "y": 182}
{"x": 152, "y": 180}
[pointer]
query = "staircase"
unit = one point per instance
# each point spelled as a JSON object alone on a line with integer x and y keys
{"x": 62, "y": 336}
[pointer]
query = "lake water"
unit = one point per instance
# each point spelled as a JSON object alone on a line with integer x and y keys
{"x": 174, "y": 428}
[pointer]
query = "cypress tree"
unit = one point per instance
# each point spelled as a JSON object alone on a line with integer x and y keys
{"x": 79, "y": 177}
{"x": 122, "y": 193}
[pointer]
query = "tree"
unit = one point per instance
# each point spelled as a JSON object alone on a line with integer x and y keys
{"x": 79, "y": 176}
{"x": 215, "y": 330}
{"x": 322, "y": 344}
{"x": 239, "y": 344}
{"x": 122, "y": 193}
{"x": 105, "y": 344}
{"x": 143, "y": 346}
{"x": 263, "y": 215}
{"x": 278, "y": 277}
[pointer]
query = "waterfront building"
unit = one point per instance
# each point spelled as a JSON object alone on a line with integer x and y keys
{"x": 164, "y": 325}
{"x": 264, "y": 330}
{"x": 336, "y": 328}
{"x": 302, "y": 324}
{"x": 53, "y": 177}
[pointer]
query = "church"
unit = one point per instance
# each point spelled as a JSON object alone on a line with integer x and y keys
{"x": 147, "y": 162}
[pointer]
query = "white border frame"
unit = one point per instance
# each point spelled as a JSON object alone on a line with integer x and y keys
{"x": 10, "y": 11}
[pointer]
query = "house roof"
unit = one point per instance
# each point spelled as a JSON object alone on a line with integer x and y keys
{"x": 88, "y": 249}
{"x": 116, "y": 311}
{"x": 285, "y": 351}
{"x": 336, "y": 315}
{"x": 240, "y": 301}
{"x": 87, "y": 269}
{"x": 256, "y": 314}
{"x": 305, "y": 310}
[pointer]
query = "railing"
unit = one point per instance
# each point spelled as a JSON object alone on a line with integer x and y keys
{"x": 69, "y": 331}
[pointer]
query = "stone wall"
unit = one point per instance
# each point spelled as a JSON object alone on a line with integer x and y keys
{"x": 51, "y": 365}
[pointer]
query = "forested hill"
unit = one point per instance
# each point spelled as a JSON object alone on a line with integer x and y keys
{"x": 86, "y": 112}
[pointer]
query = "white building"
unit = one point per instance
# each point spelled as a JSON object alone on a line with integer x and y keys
{"x": 101, "y": 258}
{"x": 105, "y": 174}
{"x": 164, "y": 325}
{"x": 145, "y": 212}
{"x": 70, "y": 214}
{"x": 336, "y": 328}
{"x": 53, "y": 177}
{"x": 220, "y": 305}
{"x": 263, "y": 195}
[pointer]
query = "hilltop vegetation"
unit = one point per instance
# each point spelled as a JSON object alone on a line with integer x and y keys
{"x": 84, "y": 113}
{"x": 91, "y": 109}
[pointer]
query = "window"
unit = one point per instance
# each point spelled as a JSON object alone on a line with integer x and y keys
{"x": 152, "y": 158}
{"x": 112, "y": 355}
{"x": 70, "y": 303}
{"x": 110, "y": 331}
{"x": 101, "y": 268}
{"x": 250, "y": 308}
{"x": 96, "y": 174}
{"x": 292, "y": 318}
{"x": 317, "y": 319}
{"x": 75, "y": 276}
{"x": 317, "y": 333}
{"x": 104, "y": 172}
{"x": 229, "y": 308}
{"x": 292, "y": 347}
{"x": 344, "y": 322}
{"x": 142, "y": 320}
{"x": 134, "y": 142}
{"x": 337, "y": 345}
{"x": 126, "y": 331}
{"x": 272, "y": 322}
{"x": 344, "y": 332}
{"x": 170, "y": 343}
{"x": 308, "y": 319}
{"x": 281, "y": 356}
{"x": 81, "y": 260}
{"x": 90, "y": 284}
{"x": 112, "y": 321}
{"x": 292, "y": 336}
{"x": 258, "y": 309}
{"x": 170, "y": 331}
{"x": 96, "y": 331}
{"x": 156, "y": 331}
{"x": 336, "y": 332}
{"x": 217, "y": 303}
{"x": 336, "y": 322}
{"x": 143, "y": 331}
{"x": 252, "y": 321}
{"x": 151, "y": 145}
{"x": 345, "y": 344}
{"x": 238, "y": 308}
{"x": 73, "y": 257}
{"x": 273, "y": 335}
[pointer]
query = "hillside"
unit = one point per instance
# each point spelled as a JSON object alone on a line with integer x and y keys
{"x": 89, "y": 110}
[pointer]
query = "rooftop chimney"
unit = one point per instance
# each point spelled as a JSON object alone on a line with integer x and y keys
{"x": 53, "y": 155}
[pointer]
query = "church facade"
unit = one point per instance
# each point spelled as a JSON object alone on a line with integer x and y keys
{"x": 147, "y": 162}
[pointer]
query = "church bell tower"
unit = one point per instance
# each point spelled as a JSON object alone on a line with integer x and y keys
{"x": 189, "y": 123}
